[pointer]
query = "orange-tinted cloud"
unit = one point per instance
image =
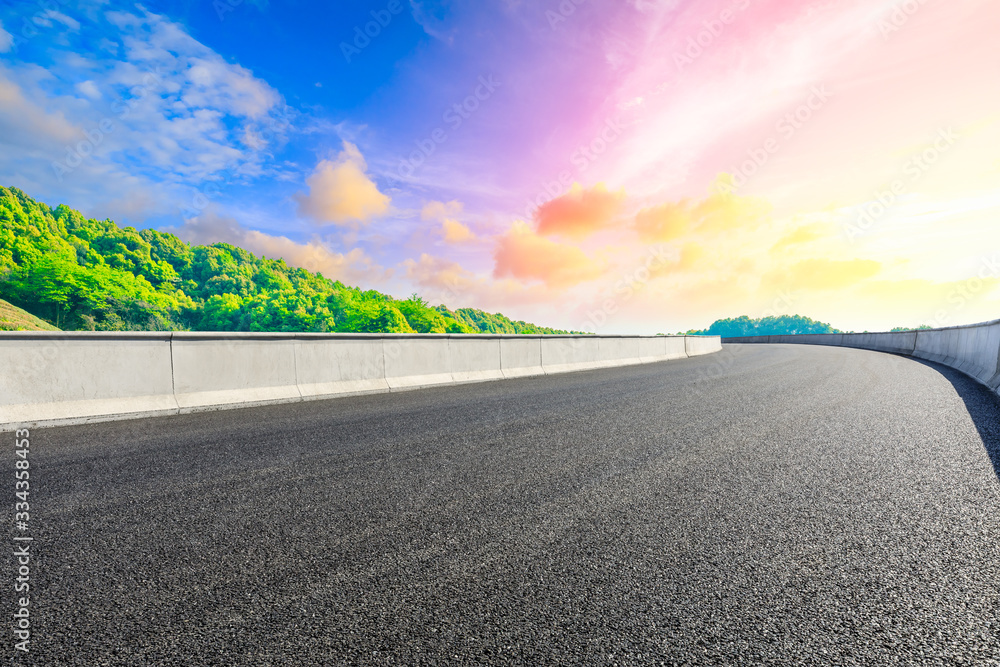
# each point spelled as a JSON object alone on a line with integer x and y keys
{"x": 691, "y": 256}
{"x": 719, "y": 212}
{"x": 444, "y": 281}
{"x": 580, "y": 212}
{"x": 455, "y": 232}
{"x": 526, "y": 256}
{"x": 800, "y": 236}
{"x": 352, "y": 268}
{"x": 447, "y": 213}
{"x": 722, "y": 212}
{"x": 341, "y": 192}
{"x": 435, "y": 210}
{"x": 665, "y": 222}
{"x": 444, "y": 278}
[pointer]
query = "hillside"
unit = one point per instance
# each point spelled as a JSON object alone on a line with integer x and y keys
{"x": 13, "y": 318}
{"x": 85, "y": 274}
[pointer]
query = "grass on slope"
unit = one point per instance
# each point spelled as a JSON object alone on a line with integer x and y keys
{"x": 13, "y": 318}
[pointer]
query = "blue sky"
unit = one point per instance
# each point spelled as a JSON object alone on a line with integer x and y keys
{"x": 621, "y": 166}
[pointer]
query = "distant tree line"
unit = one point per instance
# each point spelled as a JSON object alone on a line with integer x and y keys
{"x": 775, "y": 326}
{"x": 85, "y": 274}
{"x": 766, "y": 326}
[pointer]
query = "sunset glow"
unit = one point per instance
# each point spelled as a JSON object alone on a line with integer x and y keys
{"x": 643, "y": 166}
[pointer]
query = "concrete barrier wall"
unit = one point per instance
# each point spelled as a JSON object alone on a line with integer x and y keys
{"x": 972, "y": 349}
{"x": 214, "y": 369}
{"x": 746, "y": 340}
{"x": 47, "y": 376}
{"x": 652, "y": 349}
{"x": 355, "y": 365}
{"x": 662, "y": 348}
{"x": 618, "y": 351}
{"x": 676, "y": 346}
{"x": 416, "y": 362}
{"x": 807, "y": 339}
{"x": 698, "y": 345}
{"x": 521, "y": 357}
{"x": 563, "y": 354}
{"x": 73, "y": 377}
{"x": 897, "y": 342}
{"x": 474, "y": 359}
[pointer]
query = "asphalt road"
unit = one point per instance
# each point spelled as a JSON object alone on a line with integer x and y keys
{"x": 768, "y": 504}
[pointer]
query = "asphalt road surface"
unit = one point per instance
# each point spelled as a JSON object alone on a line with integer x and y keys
{"x": 767, "y": 504}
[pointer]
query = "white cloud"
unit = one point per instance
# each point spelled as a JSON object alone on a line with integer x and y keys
{"x": 341, "y": 192}
{"x": 26, "y": 124}
{"x": 67, "y": 21}
{"x": 177, "y": 116}
{"x": 354, "y": 267}
{"x": 228, "y": 87}
{"x": 432, "y": 19}
{"x": 452, "y": 229}
{"x": 89, "y": 89}
{"x": 442, "y": 281}
{"x": 209, "y": 228}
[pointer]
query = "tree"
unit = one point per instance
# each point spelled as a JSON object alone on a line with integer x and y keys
{"x": 93, "y": 274}
{"x": 222, "y": 312}
{"x": 767, "y": 326}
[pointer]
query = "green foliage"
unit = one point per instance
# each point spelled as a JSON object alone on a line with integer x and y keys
{"x": 766, "y": 326}
{"x": 480, "y": 322}
{"x": 921, "y": 327}
{"x": 80, "y": 273}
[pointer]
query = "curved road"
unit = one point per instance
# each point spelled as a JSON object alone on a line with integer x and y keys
{"x": 768, "y": 504}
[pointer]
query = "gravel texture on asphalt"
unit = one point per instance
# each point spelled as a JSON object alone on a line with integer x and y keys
{"x": 768, "y": 504}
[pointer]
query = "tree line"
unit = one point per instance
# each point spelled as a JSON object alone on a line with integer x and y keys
{"x": 773, "y": 325}
{"x": 84, "y": 274}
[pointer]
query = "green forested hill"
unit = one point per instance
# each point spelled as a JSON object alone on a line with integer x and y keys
{"x": 81, "y": 273}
